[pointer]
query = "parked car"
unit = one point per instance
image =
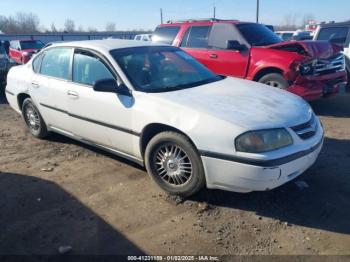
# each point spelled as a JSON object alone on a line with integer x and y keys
{"x": 158, "y": 106}
{"x": 143, "y": 37}
{"x": 310, "y": 69}
{"x": 22, "y": 50}
{"x": 336, "y": 33}
{"x": 294, "y": 35}
{"x": 5, "y": 64}
{"x": 285, "y": 35}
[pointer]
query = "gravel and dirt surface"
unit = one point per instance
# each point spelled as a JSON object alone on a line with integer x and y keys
{"x": 58, "y": 195}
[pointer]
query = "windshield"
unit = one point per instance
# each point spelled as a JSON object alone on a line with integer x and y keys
{"x": 258, "y": 35}
{"x": 31, "y": 45}
{"x": 162, "y": 69}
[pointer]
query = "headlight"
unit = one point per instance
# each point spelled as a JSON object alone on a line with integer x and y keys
{"x": 25, "y": 54}
{"x": 263, "y": 140}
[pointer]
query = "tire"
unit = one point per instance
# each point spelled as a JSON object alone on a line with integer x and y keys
{"x": 275, "y": 80}
{"x": 33, "y": 119}
{"x": 165, "y": 154}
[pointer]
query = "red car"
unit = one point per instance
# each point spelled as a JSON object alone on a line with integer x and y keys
{"x": 310, "y": 69}
{"x": 22, "y": 50}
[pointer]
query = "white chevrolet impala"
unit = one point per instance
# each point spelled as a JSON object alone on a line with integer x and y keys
{"x": 159, "y": 107}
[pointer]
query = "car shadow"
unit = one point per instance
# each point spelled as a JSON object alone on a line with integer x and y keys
{"x": 38, "y": 216}
{"x": 323, "y": 205}
{"x": 337, "y": 106}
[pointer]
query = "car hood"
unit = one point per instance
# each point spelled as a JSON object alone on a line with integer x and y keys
{"x": 247, "y": 104}
{"x": 314, "y": 49}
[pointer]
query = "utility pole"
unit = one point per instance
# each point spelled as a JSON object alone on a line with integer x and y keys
{"x": 257, "y": 10}
{"x": 161, "y": 15}
{"x": 214, "y": 12}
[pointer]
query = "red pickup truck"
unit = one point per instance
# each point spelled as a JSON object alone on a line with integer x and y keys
{"x": 22, "y": 50}
{"x": 310, "y": 69}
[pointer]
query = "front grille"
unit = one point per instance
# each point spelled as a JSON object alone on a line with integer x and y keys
{"x": 329, "y": 66}
{"x": 306, "y": 130}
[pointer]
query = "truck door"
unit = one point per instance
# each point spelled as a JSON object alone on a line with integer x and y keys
{"x": 224, "y": 61}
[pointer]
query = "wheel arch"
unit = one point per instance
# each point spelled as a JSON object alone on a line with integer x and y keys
{"x": 267, "y": 70}
{"x": 20, "y": 99}
{"x": 149, "y": 131}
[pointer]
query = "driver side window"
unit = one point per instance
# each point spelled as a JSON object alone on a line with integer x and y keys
{"x": 87, "y": 69}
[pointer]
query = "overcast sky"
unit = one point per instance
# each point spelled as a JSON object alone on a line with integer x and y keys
{"x": 144, "y": 14}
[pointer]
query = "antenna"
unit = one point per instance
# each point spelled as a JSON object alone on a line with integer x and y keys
{"x": 257, "y": 10}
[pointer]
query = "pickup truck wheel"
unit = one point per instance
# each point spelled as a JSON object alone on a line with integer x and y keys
{"x": 33, "y": 119}
{"x": 275, "y": 80}
{"x": 174, "y": 164}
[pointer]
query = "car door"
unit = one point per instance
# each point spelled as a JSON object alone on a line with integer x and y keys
{"x": 103, "y": 118}
{"x": 48, "y": 87}
{"x": 222, "y": 60}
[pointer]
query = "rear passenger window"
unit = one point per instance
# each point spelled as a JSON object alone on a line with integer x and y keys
{"x": 56, "y": 63}
{"x": 87, "y": 69}
{"x": 165, "y": 34}
{"x": 196, "y": 37}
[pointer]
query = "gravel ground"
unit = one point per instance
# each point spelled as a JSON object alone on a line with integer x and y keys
{"x": 60, "y": 193}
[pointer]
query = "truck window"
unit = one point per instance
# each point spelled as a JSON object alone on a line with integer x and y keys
{"x": 165, "y": 34}
{"x": 337, "y": 35}
{"x": 196, "y": 37}
{"x": 220, "y": 34}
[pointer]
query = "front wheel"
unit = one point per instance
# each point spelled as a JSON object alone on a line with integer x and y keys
{"x": 34, "y": 121}
{"x": 174, "y": 164}
{"x": 274, "y": 80}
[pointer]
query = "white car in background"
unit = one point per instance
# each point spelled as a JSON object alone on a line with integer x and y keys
{"x": 156, "y": 105}
{"x": 143, "y": 37}
{"x": 298, "y": 35}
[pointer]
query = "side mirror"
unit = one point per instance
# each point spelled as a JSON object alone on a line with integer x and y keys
{"x": 111, "y": 86}
{"x": 235, "y": 45}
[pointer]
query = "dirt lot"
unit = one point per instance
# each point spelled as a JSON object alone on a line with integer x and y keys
{"x": 62, "y": 193}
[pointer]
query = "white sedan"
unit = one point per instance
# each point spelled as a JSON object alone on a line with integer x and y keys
{"x": 159, "y": 107}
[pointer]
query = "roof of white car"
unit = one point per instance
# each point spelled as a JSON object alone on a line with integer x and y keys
{"x": 106, "y": 44}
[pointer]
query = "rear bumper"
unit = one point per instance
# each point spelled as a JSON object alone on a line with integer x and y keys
{"x": 311, "y": 88}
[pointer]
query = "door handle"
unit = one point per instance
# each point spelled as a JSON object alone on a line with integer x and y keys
{"x": 73, "y": 94}
{"x": 35, "y": 84}
{"x": 213, "y": 56}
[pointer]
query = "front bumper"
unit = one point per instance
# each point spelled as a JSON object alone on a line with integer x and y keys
{"x": 314, "y": 87}
{"x": 227, "y": 174}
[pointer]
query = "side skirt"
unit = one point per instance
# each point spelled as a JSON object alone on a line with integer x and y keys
{"x": 102, "y": 147}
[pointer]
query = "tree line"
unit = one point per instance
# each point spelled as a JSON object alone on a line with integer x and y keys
{"x": 29, "y": 23}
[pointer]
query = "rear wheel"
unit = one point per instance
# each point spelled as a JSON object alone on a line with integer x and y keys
{"x": 174, "y": 164}
{"x": 33, "y": 119}
{"x": 274, "y": 80}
